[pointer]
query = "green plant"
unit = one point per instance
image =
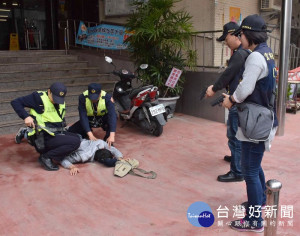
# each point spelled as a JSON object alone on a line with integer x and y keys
{"x": 161, "y": 38}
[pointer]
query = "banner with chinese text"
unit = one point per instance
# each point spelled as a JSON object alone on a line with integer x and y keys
{"x": 102, "y": 36}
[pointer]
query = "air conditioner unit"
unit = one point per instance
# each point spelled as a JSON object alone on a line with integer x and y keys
{"x": 270, "y": 5}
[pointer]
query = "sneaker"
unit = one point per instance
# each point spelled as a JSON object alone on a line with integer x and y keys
{"x": 245, "y": 204}
{"x": 20, "y": 135}
{"x": 245, "y": 226}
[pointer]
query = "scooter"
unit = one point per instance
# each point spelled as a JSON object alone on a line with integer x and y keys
{"x": 138, "y": 105}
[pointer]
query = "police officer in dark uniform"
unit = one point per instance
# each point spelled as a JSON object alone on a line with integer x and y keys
{"x": 230, "y": 79}
{"x": 47, "y": 122}
{"x": 96, "y": 109}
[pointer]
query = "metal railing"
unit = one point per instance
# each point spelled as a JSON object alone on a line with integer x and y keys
{"x": 294, "y": 57}
{"x": 64, "y": 25}
{"x": 33, "y": 39}
{"x": 203, "y": 43}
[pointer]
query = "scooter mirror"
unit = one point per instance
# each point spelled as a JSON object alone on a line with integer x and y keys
{"x": 108, "y": 59}
{"x": 144, "y": 66}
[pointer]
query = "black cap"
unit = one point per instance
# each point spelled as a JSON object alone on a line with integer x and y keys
{"x": 59, "y": 91}
{"x": 230, "y": 28}
{"x": 94, "y": 91}
{"x": 253, "y": 23}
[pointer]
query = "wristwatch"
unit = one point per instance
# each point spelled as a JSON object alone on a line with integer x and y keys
{"x": 230, "y": 99}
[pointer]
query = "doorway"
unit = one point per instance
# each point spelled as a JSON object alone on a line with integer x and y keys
{"x": 31, "y": 20}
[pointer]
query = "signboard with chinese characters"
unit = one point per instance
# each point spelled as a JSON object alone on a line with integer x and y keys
{"x": 119, "y": 7}
{"x": 102, "y": 36}
{"x": 173, "y": 77}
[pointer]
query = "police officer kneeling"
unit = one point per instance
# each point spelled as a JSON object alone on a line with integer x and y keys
{"x": 96, "y": 110}
{"x": 48, "y": 135}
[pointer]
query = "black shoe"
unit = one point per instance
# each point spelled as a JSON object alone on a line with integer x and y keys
{"x": 227, "y": 158}
{"x": 47, "y": 163}
{"x": 20, "y": 135}
{"x": 230, "y": 177}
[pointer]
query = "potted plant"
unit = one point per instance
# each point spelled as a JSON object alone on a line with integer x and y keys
{"x": 161, "y": 38}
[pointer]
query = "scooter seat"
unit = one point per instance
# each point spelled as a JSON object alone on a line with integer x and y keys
{"x": 136, "y": 91}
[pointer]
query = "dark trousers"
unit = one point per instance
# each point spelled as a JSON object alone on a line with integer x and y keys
{"x": 78, "y": 129}
{"x": 59, "y": 146}
{"x": 233, "y": 143}
{"x": 252, "y": 154}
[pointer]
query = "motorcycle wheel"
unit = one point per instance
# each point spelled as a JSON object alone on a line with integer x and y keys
{"x": 158, "y": 129}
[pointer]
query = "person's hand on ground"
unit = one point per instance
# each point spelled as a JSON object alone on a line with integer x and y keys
{"x": 74, "y": 170}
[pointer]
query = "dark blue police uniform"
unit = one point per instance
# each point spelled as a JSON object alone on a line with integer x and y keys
{"x": 56, "y": 146}
{"x": 107, "y": 121}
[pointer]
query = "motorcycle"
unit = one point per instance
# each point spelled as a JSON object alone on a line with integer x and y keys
{"x": 138, "y": 105}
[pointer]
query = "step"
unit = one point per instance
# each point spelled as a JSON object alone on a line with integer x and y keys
{"x": 10, "y": 94}
{"x": 5, "y": 104}
{"x": 32, "y": 59}
{"x": 42, "y": 66}
{"x": 10, "y": 114}
{"x": 23, "y": 75}
{"x": 70, "y": 98}
{"x": 13, "y": 126}
{"x": 32, "y": 52}
{"x": 48, "y": 81}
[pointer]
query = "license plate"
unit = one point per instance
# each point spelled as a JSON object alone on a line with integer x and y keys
{"x": 158, "y": 109}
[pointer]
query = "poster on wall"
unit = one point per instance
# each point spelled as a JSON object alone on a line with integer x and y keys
{"x": 102, "y": 36}
{"x": 235, "y": 15}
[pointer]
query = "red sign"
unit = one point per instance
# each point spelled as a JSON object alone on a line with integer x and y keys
{"x": 173, "y": 77}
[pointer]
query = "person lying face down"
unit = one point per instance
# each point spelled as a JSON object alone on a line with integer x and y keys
{"x": 90, "y": 151}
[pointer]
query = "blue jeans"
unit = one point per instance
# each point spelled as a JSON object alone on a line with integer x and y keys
{"x": 252, "y": 154}
{"x": 234, "y": 144}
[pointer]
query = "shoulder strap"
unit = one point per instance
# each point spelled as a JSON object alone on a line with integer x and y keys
{"x": 142, "y": 173}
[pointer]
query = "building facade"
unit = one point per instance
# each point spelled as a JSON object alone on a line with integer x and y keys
{"x": 38, "y": 22}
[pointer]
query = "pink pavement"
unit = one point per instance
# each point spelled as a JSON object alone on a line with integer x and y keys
{"x": 187, "y": 158}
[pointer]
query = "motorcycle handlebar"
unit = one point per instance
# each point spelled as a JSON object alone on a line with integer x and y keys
{"x": 116, "y": 73}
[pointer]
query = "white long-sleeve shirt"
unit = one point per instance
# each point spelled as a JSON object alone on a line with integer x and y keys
{"x": 86, "y": 152}
{"x": 256, "y": 68}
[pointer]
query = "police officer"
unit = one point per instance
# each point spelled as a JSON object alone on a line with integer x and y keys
{"x": 230, "y": 79}
{"x": 96, "y": 110}
{"x": 257, "y": 87}
{"x": 46, "y": 118}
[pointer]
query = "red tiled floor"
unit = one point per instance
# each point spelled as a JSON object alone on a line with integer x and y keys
{"x": 187, "y": 158}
